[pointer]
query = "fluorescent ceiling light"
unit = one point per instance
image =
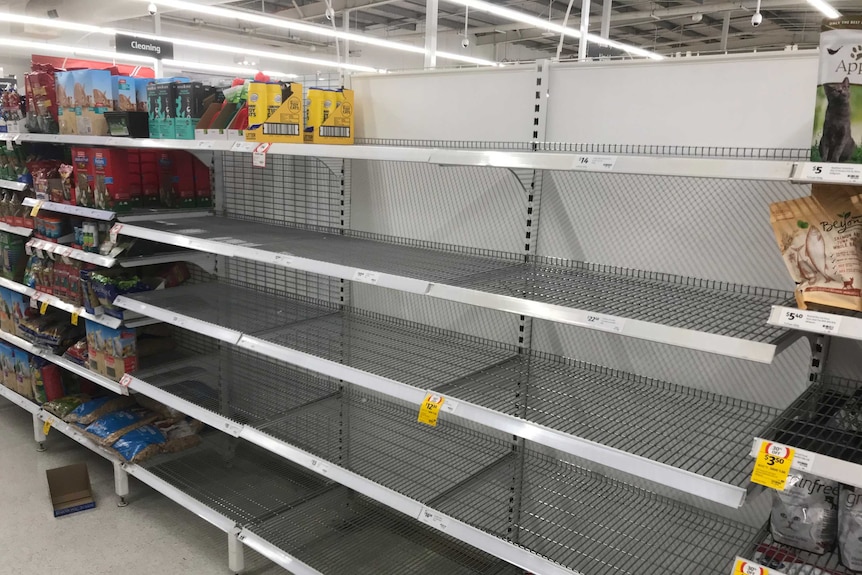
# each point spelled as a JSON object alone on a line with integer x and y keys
{"x": 827, "y": 10}
{"x": 65, "y": 25}
{"x": 311, "y": 29}
{"x": 74, "y": 51}
{"x": 542, "y": 24}
{"x": 233, "y": 70}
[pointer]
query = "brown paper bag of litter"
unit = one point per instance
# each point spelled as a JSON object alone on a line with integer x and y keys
{"x": 820, "y": 238}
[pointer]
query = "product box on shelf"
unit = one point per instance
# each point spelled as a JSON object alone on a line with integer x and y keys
{"x": 141, "y": 97}
{"x": 7, "y": 366}
{"x": 330, "y": 117}
{"x": 838, "y": 108}
{"x": 162, "y": 104}
{"x": 203, "y": 185}
{"x": 70, "y": 489}
{"x": 148, "y": 171}
{"x": 112, "y": 352}
{"x": 23, "y": 379}
{"x": 125, "y": 94}
{"x": 12, "y": 310}
{"x": 65, "y": 85}
{"x": 204, "y": 129}
{"x": 282, "y": 126}
{"x": 13, "y": 255}
{"x": 99, "y": 91}
{"x": 190, "y": 97}
{"x": 42, "y": 102}
{"x": 111, "y": 180}
{"x": 183, "y": 180}
{"x": 82, "y": 166}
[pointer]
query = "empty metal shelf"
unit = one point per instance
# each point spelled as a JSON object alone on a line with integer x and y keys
{"x": 706, "y": 315}
{"x": 689, "y": 439}
{"x": 325, "y": 526}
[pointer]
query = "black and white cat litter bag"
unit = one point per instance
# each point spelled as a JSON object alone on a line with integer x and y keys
{"x": 805, "y": 514}
{"x": 838, "y": 112}
{"x": 850, "y": 527}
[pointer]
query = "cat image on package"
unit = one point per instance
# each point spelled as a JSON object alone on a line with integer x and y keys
{"x": 805, "y": 514}
{"x": 837, "y": 134}
{"x": 850, "y": 527}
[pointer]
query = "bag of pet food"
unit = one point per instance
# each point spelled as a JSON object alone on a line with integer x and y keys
{"x": 63, "y": 406}
{"x": 140, "y": 444}
{"x": 89, "y": 412}
{"x": 111, "y": 427}
{"x": 805, "y": 514}
{"x": 838, "y": 108}
{"x": 850, "y": 527}
{"x": 820, "y": 238}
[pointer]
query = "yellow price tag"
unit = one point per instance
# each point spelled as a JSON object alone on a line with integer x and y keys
{"x": 74, "y": 318}
{"x": 35, "y": 209}
{"x": 43, "y": 308}
{"x": 47, "y": 426}
{"x": 772, "y": 465}
{"x": 743, "y": 567}
{"x": 430, "y": 409}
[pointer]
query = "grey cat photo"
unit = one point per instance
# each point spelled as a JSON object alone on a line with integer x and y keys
{"x": 850, "y": 527}
{"x": 805, "y": 514}
{"x": 837, "y": 143}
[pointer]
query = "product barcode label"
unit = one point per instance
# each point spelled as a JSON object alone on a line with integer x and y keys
{"x": 434, "y": 519}
{"x": 806, "y": 320}
{"x": 281, "y": 129}
{"x": 837, "y": 173}
{"x": 334, "y": 131}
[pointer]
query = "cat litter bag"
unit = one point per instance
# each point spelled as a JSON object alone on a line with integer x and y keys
{"x": 140, "y": 444}
{"x": 805, "y": 514}
{"x": 111, "y": 427}
{"x": 850, "y": 527}
{"x": 89, "y": 412}
{"x": 838, "y": 108}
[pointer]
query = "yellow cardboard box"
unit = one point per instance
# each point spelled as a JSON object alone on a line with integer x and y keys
{"x": 284, "y": 125}
{"x": 330, "y": 117}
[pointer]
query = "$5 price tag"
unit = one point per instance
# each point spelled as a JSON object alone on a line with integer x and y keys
{"x": 772, "y": 465}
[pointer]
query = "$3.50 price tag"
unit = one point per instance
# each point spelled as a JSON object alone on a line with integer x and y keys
{"x": 429, "y": 411}
{"x": 772, "y": 465}
{"x": 744, "y": 567}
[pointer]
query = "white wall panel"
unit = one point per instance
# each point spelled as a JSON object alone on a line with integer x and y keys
{"x": 755, "y": 101}
{"x": 485, "y": 105}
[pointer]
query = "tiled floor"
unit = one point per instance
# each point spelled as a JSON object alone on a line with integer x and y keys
{"x": 153, "y": 535}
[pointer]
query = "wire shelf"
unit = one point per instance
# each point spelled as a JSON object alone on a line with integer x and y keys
{"x": 579, "y": 519}
{"x": 323, "y": 525}
{"x": 826, "y": 419}
{"x": 699, "y": 432}
{"x": 655, "y": 305}
{"x": 787, "y": 560}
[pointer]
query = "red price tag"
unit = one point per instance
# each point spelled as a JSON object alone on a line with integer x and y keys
{"x": 258, "y": 157}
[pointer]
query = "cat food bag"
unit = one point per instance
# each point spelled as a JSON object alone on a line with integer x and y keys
{"x": 140, "y": 444}
{"x": 805, "y": 514}
{"x": 820, "y": 238}
{"x": 850, "y": 527}
{"x": 838, "y": 108}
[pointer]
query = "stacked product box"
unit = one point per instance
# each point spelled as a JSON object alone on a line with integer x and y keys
{"x": 112, "y": 189}
{"x": 14, "y": 256}
{"x": 112, "y": 352}
{"x": 12, "y": 310}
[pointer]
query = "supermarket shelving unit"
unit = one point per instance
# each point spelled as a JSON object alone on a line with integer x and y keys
{"x": 307, "y": 363}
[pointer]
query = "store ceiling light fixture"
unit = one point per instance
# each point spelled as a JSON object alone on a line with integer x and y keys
{"x": 74, "y": 51}
{"x": 206, "y": 46}
{"x": 825, "y": 8}
{"x": 542, "y": 24}
{"x": 218, "y": 69}
{"x": 285, "y": 24}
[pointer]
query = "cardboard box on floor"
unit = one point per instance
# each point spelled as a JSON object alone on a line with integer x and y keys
{"x": 70, "y": 489}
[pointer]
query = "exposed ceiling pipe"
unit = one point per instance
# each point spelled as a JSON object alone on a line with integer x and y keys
{"x": 665, "y": 13}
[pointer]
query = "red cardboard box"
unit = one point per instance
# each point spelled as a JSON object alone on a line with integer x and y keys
{"x": 111, "y": 179}
{"x": 203, "y": 185}
{"x": 184, "y": 179}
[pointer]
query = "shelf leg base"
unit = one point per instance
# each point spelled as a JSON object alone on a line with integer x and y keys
{"x": 40, "y": 447}
{"x": 235, "y": 553}
{"x": 121, "y": 483}
{"x": 38, "y": 434}
{"x": 122, "y": 502}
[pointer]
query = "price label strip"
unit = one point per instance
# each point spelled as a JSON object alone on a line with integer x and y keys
{"x": 429, "y": 411}
{"x": 603, "y": 322}
{"x": 595, "y": 163}
{"x": 433, "y": 518}
{"x": 812, "y": 321}
{"x": 34, "y": 211}
{"x": 745, "y": 567}
{"x": 772, "y": 465}
{"x": 835, "y": 173}
{"x": 367, "y": 277}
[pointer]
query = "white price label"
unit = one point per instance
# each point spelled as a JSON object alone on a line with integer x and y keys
{"x": 802, "y": 460}
{"x": 603, "y": 322}
{"x": 243, "y": 147}
{"x": 190, "y": 231}
{"x": 126, "y": 380}
{"x": 433, "y": 518}
{"x": 178, "y": 321}
{"x": 595, "y": 163}
{"x": 258, "y": 158}
{"x": 449, "y": 406}
{"x": 835, "y": 173}
{"x": 9, "y": 145}
{"x": 367, "y": 277}
{"x": 807, "y": 320}
{"x": 205, "y": 145}
{"x": 283, "y": 259}
{"x": 28, "y": 248}
{"x": 320, "y": 466}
